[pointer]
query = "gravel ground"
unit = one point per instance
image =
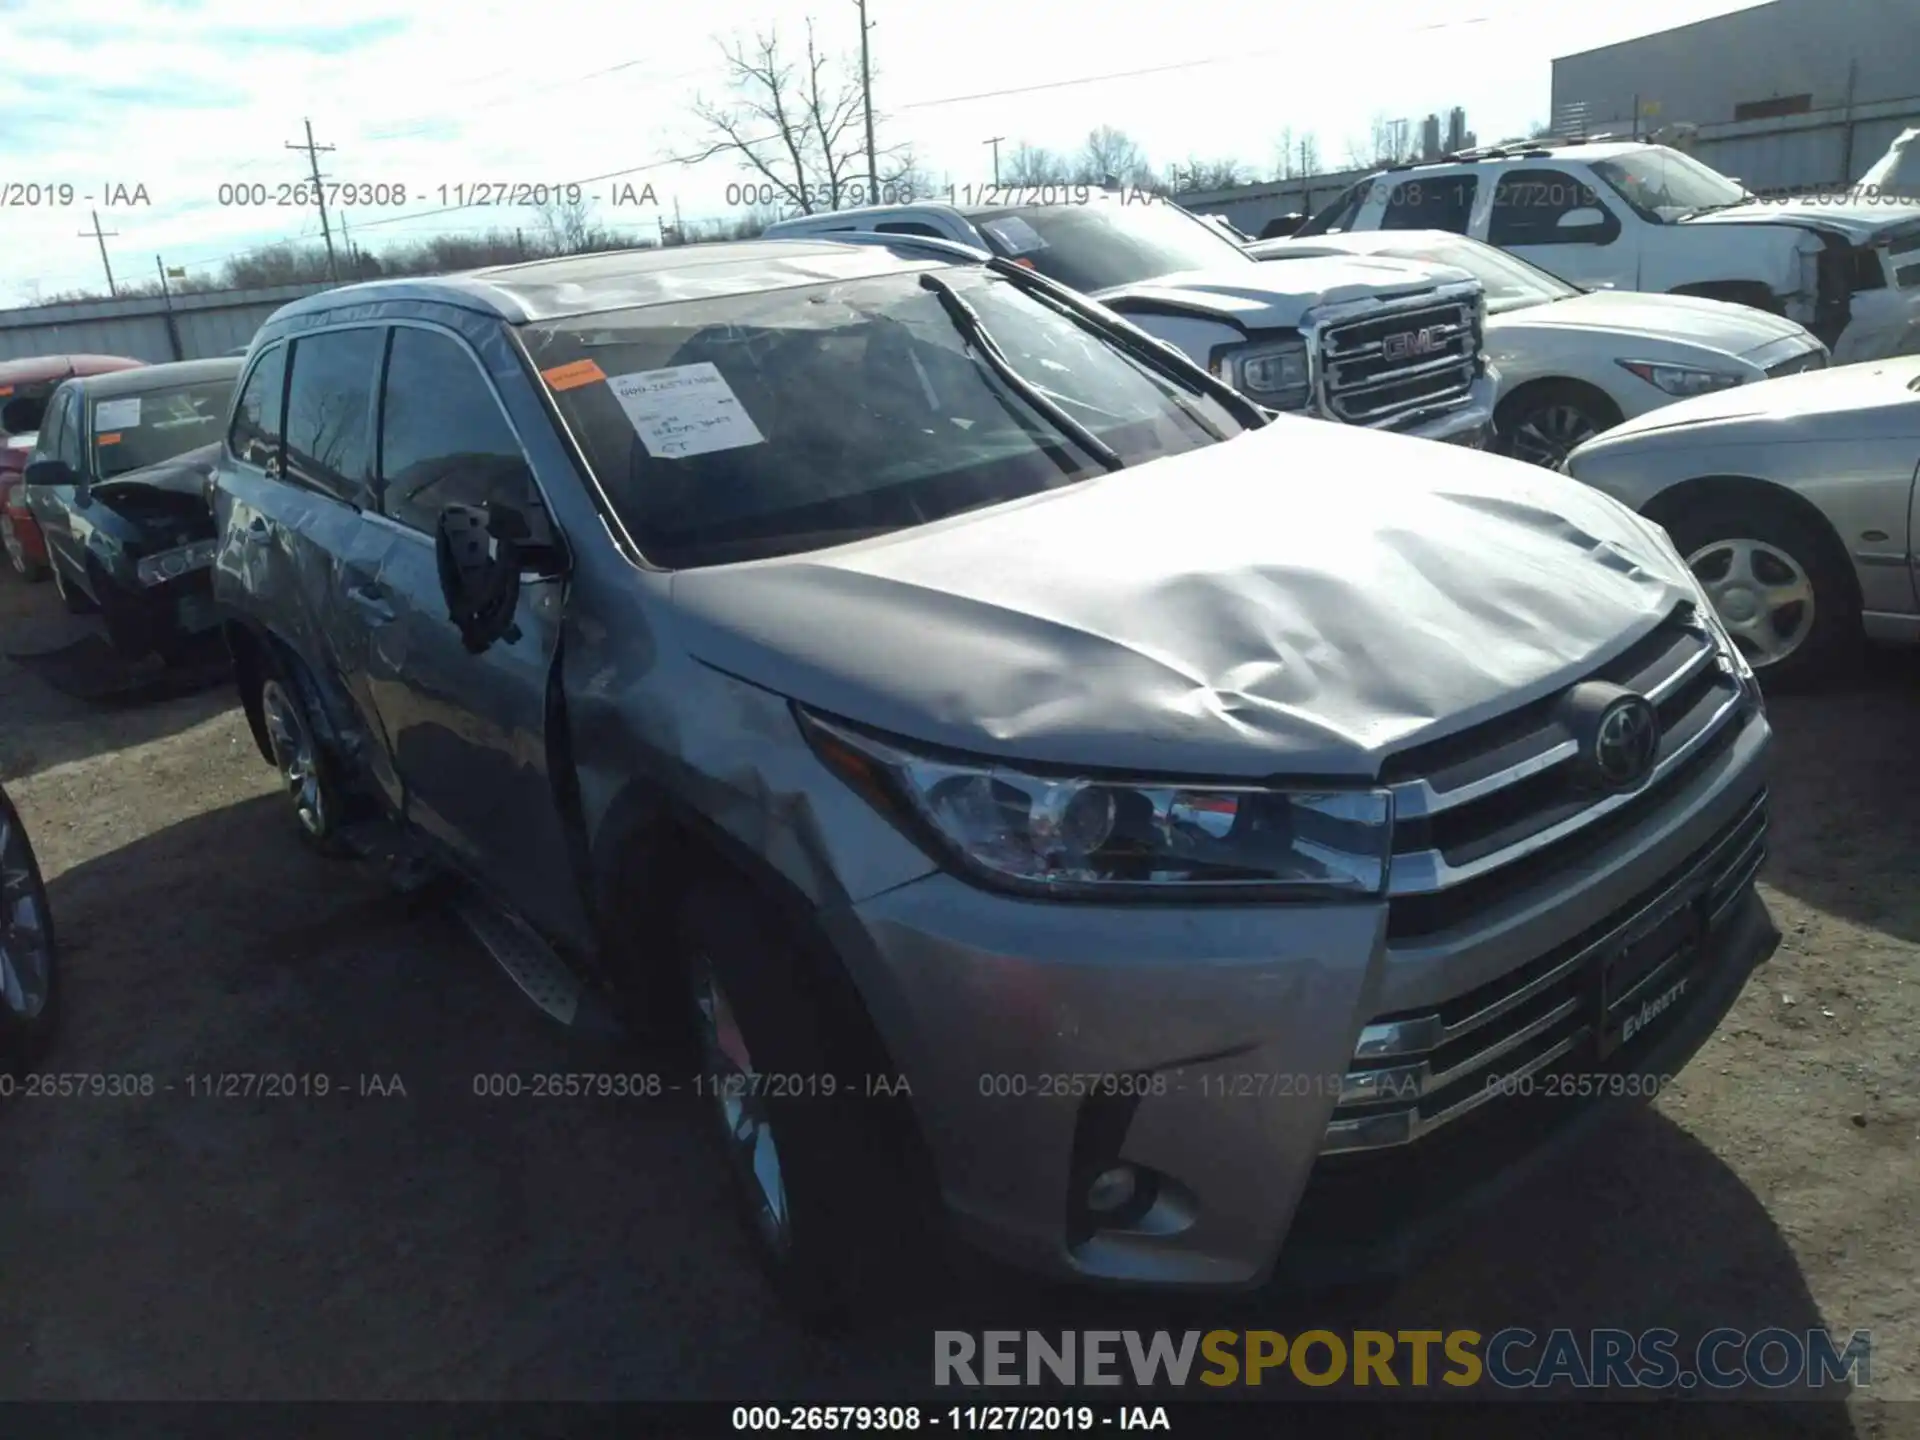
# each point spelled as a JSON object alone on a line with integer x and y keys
{"x": 433, "y": 1245}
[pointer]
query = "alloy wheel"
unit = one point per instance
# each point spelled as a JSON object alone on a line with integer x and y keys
{"x": 1762, "y": 594}
{"x": 26, "y": 956}
{"x": 295, "y": 755}
{"x": 740, "y": 1099}
{"x": 1551, "y": 433}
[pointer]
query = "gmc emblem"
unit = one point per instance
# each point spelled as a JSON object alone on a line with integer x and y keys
{"x": 1409, "y": 343}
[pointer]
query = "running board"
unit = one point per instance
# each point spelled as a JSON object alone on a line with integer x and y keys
{"x": 534, "y": 966}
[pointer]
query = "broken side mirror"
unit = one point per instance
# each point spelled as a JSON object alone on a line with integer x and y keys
{"x": 479, "y": 560}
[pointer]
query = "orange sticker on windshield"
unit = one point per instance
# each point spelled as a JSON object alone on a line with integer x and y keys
{"x": 108, "y": 440}
{"x": 573, "y": 376}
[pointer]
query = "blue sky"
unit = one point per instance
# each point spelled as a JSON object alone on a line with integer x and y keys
{"x": 181, "y": 96}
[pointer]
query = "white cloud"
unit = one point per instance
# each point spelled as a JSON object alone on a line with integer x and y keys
{"x": 182, "y": 97}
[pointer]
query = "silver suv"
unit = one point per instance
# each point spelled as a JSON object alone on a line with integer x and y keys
{"x": 1038, "y": 780}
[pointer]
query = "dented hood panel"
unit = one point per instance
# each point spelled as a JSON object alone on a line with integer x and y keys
{"x": 1261, "y": 297}
{"x": 1859, "y": 221}
{"x": 1229, "y": 612}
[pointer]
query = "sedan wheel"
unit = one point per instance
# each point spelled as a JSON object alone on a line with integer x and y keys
{"x": 1546, "y": 434}
{"x": 296, "y": 755}
{"x": 1762, "y": 595}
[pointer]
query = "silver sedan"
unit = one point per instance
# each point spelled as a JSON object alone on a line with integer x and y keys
{"x": 1793, "y": 502}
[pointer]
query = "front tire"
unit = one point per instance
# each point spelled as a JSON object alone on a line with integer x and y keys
{"x": 822, "y": 1188}
{"x": 29, "y": 972}
{"x": 1779, "y": 583}
{"x": 307, "y": 771}
{"x": 1546, "y": 424}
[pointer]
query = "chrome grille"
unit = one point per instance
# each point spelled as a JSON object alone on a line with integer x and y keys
{"x": 1413, "y": 1073}
{"x": 1392, "y": 368}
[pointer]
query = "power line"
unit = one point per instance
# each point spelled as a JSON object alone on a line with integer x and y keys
{"x": 1148, "y": 70}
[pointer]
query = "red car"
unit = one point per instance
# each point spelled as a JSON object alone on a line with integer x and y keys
{"x": 24, "y": 388}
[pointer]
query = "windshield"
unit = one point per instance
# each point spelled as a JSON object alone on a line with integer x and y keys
{"x": 1095, "y": 247}
{"x": 1511, "y": 283}
{"x": 1663, "y": 185}
{"x": 134, "y": 431}
{"x": 791, "y": 420}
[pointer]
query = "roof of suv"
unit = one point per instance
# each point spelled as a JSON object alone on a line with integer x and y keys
{"x": 627, "y": 279}
{"x": 1600, "y": 148}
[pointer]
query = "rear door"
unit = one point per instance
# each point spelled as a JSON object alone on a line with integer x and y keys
{"x": 299, "y": 477}
{"x": 468, "y": 732}
{"x": 1564, "y": 225}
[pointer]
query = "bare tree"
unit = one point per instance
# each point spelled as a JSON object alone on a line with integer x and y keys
{"x": 796, "y": 124}
{"x": 1035, "y": 165}
{"x": 1201, "y": 175}
{"x": 1112, "y": 157}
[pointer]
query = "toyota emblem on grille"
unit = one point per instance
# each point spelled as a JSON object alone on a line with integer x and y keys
{"x": 1407, "y": 343}
{"x": 1617, "y": 733}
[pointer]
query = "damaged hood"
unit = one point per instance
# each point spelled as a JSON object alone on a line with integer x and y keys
{"x": 1226, "y": 612}
{"x": 1263, "y": 297}
{"x": 1860, "y": 221}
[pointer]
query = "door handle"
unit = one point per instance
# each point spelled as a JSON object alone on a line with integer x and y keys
{"x": 369, "y": 600}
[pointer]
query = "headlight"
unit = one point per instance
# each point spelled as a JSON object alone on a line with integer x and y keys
{"x": 1271, "y": 374}
{"x": 167, "y": 565}
{"x": 1682, "y": 379}
{"x": 1061, "y": 835}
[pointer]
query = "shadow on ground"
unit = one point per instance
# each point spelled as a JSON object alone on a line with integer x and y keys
{"x": 400, "y": 1237}
{"x": 1845, "y": 775}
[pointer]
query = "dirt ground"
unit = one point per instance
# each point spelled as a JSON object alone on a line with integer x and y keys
{"x": 433, "y": 1244}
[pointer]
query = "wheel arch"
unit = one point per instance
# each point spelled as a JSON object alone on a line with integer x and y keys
{"x": 1532, "y": 390}
{"x": 650, "y": 849}
{"x": 247, "y": 647}
{"x": 1735, "y": 490}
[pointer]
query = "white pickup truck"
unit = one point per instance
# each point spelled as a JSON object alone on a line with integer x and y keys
{"x": 1634, "y": 216}
{"x": 1388, "y": 344}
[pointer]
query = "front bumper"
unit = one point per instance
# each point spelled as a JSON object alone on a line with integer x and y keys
{"x": 1043, "y": 1042}
{"x": 1471, "y": 424}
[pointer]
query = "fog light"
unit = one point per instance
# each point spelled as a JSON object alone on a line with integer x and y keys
{"x": 1111, "y": 1189}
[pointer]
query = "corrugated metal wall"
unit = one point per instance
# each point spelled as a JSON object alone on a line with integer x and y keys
{"x": 207, "y": 324}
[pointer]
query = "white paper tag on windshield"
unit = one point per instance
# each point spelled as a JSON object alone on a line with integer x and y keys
{"x": 121, "y": 414}
{"x": 685, "y": 410}
{"x": 1017, "y": 235}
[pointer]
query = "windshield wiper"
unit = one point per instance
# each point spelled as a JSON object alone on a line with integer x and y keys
{"x": 967, "y": 321}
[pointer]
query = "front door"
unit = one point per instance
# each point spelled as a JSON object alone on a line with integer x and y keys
{"x": 468, "y": 732}
{"x": 52, "y": 506}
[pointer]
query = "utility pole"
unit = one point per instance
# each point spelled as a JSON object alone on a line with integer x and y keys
{"x": 320, "y": 197}
{"x": 995, "y": 143}
{"x": 103, "y": 236}
{"x": 166, "y": 294}
{"x": 866, "y": 97}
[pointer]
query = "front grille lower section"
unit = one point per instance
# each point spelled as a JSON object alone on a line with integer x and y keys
{"x": 1391, "y": 369}
{"x": 1413, "y": 1073}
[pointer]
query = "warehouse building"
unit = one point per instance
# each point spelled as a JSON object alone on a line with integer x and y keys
{"x": 1791, "y": 93}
